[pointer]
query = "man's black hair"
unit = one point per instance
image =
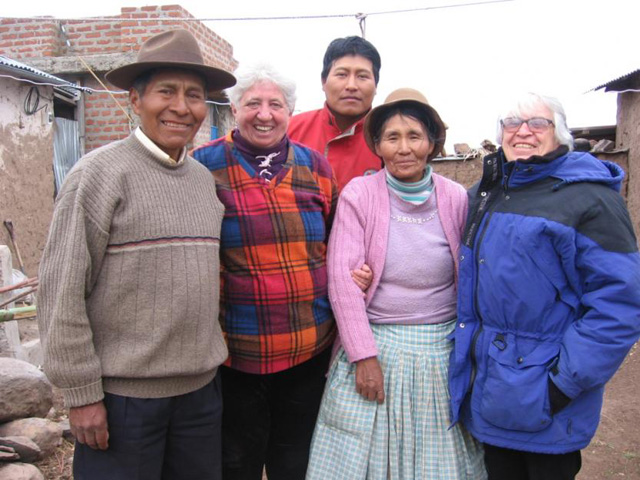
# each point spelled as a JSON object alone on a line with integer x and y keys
{"x": 341, "y": 47}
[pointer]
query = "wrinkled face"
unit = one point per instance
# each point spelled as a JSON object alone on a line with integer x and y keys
{"x": 171, "y": 110}
{"x": 350, "y": 86}
{"x": 262, "y": 115}
{"x": 404, "y": 147}
{"x": 523, "y": 143}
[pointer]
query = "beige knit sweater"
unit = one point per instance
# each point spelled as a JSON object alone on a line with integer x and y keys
{"x": 129, "y": 279}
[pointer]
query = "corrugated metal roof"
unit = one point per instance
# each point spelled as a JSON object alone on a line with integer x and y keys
{"x": 618, "y": 83}
{"x": 22, "y": 70}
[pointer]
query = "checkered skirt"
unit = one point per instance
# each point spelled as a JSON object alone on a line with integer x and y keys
{"x": 408, "y": 436}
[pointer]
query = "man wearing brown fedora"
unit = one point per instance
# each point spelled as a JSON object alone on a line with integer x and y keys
{"x": 128, "y": 305}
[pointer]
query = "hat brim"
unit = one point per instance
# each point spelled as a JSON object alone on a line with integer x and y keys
{"x": 216, "y": 78}
{"x": 372, "y": 116}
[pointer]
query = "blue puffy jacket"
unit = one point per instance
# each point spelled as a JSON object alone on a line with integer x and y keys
{"x": 549, "y": 291}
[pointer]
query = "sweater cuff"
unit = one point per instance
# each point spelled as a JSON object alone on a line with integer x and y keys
{"x": 361, "y": 354}
{"x": 85, "y": 395}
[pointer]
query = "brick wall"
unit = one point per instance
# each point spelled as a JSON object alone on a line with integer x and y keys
{"x": 29, "y": 38}
{"x": 25, "y": 39}
{"x": 104, "y": 120}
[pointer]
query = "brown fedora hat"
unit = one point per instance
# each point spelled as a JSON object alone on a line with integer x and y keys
{"x": 171, "y": 49}
{"x": 406, "y": 96}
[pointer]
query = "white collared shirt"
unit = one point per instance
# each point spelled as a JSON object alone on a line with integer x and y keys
{"x": 157, "y": 151}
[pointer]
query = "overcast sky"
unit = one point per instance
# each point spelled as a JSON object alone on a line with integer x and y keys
{"x": 467, "y": 59}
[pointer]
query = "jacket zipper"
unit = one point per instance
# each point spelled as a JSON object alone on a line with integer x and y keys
{"x": 474, "y": 340}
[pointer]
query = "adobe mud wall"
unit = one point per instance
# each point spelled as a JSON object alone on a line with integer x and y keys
{"x": 26, "y": 171}
{"x": 466, "y": 173}
{"x": 628, "y": 137}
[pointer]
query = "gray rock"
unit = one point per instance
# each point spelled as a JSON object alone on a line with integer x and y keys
{"x": 24, "y": 391}
{"x": 581, "y": 145}
{"x": 66, "y": 430}
{"x": 461, "y": 148}
{"x": 28, "y": 450}
{"x": 488, "y": 146}
{"x": 604, "y": 146}
{"x": 44, "y": 433}
{"x": 20, "y": 471}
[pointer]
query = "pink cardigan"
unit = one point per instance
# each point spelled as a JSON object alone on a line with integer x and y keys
{"x": 359, "y": 235}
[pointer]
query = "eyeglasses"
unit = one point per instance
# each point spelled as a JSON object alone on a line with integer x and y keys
{"x": 535, "y": 124}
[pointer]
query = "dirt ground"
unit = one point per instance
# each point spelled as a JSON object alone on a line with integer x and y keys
{"x": 614, "y": 453}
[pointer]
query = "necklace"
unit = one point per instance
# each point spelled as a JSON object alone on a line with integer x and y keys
{"x": 415, "y": 220}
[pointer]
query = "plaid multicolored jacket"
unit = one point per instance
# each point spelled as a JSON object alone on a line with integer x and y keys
{"x": 274, "y": 309}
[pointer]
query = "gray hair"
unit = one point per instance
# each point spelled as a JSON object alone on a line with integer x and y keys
{"x": 529, "y": 102}
{"x": 263, "y": 72}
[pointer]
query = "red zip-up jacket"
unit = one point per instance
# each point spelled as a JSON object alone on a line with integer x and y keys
{"x": 346, "y": 151}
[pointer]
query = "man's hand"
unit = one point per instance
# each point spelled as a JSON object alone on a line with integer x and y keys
{"x": 362, "y": 277}
{"x": 369, "y": 379}
{"x": 89, "y": 425}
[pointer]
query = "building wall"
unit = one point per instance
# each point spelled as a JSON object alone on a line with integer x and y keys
{"x": 29, "y": 38}
{"x": 628, "y": 137}
{"x": 26, "y": 171}
{"x": 24, "y": 38}
{"x": 467, "y": 173}
{"x": 26, "y": 143}
{"x": 104, "y": 45}
{"x": 621, "y": 158}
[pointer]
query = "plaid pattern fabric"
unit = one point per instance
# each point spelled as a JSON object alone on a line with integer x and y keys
{"x": 408, "y": 436}
{"x": 274, "y": 306}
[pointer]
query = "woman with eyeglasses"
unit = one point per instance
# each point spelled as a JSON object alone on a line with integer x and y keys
{"x": 548, "y": 297}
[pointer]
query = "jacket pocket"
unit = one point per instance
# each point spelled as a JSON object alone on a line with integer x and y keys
{"x": 515, "y": 394}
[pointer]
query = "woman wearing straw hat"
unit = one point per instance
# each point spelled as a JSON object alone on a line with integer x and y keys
{"x": 385, "y": 411}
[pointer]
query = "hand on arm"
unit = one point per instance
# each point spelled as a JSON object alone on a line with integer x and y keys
{"x": 362, "y": 277}
{"x": 369, "y": 379}
{"x": 89, "y": 425}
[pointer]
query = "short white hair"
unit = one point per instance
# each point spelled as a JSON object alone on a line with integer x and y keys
{"x": 528, "y": 102}
{"x": 247, "y": 77}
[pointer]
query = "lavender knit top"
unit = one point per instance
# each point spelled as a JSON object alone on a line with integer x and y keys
{"x": 417, "y": 284}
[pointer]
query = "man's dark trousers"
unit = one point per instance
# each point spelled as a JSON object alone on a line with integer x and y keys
{"x": 174, "y": 438}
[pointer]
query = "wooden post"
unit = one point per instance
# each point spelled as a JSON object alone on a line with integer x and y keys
{"x": 10, "y": 345}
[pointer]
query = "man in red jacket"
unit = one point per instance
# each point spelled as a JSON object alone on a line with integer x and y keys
{"x": 350, "y": 74}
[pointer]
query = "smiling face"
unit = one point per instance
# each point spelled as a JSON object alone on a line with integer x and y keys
{"x": 404, "y": 147}
{"x": 522, "y": 143}
{"x": 349, "y": 88}
{"x": 262, "y": 115}
{"x": 171, "y": 109}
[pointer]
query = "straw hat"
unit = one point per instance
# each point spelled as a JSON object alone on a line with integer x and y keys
{"x": 171, "y": 49}
{"x": 406, "y": 96}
